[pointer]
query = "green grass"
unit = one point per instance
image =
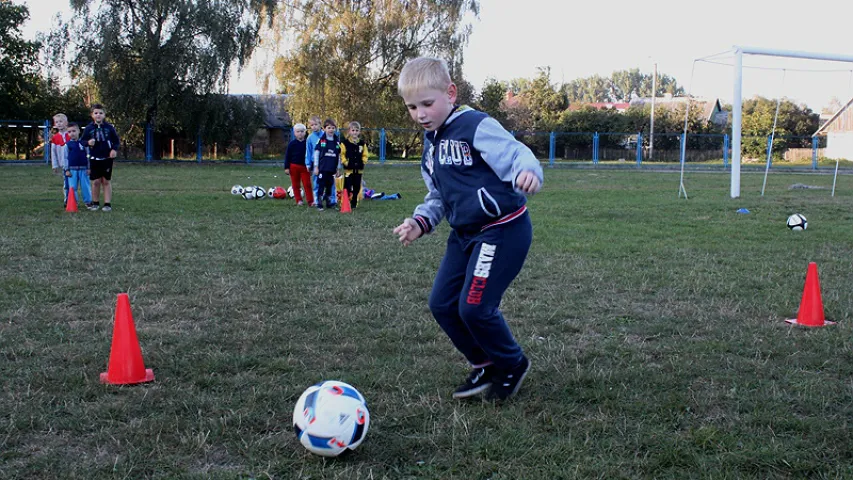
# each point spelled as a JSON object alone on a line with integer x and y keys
{"x": 654, "y": 325}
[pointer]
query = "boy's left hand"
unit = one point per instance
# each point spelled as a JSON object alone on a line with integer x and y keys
{"x": 113, "y": 154}
{"x": 527, "y": 182}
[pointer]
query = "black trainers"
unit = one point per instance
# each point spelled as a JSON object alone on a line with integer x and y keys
{"x": 477, "y": 382}
{"x": 506, "y": 383}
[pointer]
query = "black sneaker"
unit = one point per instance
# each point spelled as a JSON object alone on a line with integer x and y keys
{"x": 506, "y": 383}
{"x": 477, "y": 382}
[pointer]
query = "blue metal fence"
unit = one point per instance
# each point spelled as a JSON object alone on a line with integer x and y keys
{"x": 401, "y": 144}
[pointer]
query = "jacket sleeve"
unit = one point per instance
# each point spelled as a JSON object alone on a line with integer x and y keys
{"x": 344, "y": 160}
{"x": 287, "y": 156}
{"x": 429, "y": 213}
{"x": 309, "y": 152}
{"x": 503, "y": 153}
{"x": 54, "y": 154}
{"x": 114, "y": 139}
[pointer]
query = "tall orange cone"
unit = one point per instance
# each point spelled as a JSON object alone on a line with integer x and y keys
{"x": 811, "y": 305}
{"x": 71, "y": 201}
{"x": 126, "y": 366}
{"x": 345, "y": 207}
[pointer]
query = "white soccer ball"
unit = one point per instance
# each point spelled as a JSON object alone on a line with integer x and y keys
{"x": 249, "y": 193}
{"x": 237, "y": 190}
{"x": 330, "y": 418}
{"x": 291, "y": 194}
{"x": 797, "y": 222}
{"x": 260, "y": 192}
{"x": 270, "y": 191}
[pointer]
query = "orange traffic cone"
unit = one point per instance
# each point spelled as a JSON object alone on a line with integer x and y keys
{"x": 811, "y": 305}
{"x": 345, "y": 207}
{"x": 125, "y": 365}
{"x": 71, "y": 201}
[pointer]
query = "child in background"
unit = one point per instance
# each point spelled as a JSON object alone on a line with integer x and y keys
{"x": 327, "y": 155}
{"x": 354, "y": 157}
{"x": 77, "y": 172}
{"x": 477, "y": 175}
{"x": 315, "y": 125}
{"x": 58, "y": 155}
{"x": 294, "y": 165}
{"x": 103, "y": 143}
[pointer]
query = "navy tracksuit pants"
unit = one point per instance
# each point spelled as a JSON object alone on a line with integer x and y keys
{"x": 474, "y": 274}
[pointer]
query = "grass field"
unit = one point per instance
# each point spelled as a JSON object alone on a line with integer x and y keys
{"x": 654, "y": 326}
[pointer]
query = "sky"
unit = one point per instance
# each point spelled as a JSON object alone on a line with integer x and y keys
{"x": 513, "y": 38}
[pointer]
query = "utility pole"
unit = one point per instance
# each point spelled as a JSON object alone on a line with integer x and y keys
{"x": 652, "y": 120}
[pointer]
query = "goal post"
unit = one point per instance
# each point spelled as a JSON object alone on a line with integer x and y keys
{"x": 737, "y": 100}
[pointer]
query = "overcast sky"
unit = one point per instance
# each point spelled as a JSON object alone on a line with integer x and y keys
{"x": 577, "y": 39}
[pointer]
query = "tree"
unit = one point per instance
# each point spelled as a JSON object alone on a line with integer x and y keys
{"x": 545, "y": 102}
{"x": 20, "y": 82}
{"x": 793, "y": 121}
{"x": 619, "y": 87}
{"x": 148, "y": 56}
{"x": 491, "y": 96}
{"x": 344, "y": 62}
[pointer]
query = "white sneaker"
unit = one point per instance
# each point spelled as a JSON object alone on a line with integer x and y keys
{"x": 107, "y": 208}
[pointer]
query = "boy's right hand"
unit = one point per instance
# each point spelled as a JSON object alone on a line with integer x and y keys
{"x": 408, "y": 231}
{"x": 91, "y": 142}
{"x": 316, "y": 171}
{"x": 287, "y": 171}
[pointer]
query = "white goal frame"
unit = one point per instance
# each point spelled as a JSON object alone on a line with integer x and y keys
{"x": 737, "y": 99}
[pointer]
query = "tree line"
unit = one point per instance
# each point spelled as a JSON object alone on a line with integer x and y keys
{"x": 168, "y": 62}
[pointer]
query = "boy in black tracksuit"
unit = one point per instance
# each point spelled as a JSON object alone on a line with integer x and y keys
{"x": 477, "y": 175}
{"x": 354, "y": 157}
{"x": 327, "y": 155}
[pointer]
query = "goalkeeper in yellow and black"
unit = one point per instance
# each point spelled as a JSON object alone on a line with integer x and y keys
{"x": 353, "y": 158}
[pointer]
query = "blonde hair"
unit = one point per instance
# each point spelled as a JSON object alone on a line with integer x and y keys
{"x": 354, "y": 124}
{"x": 316, "y": 119}
{"x": 423, "y": 73}
{"x": 60, "y": 116}
{"x": 299, "y": 127}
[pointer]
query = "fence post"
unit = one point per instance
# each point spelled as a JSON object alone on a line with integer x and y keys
{"x": 725, "y": 151}
{"x": 552, "y": 149}
{"x": 198, "y": 146}
{"x": 814, "y": 153}
{"x": 639, "y": 148}
{"x": 46, "y": 133}
{"x": 595, "y": 148}
{"x": 683, "y": 150}
{"x": 382, "y": 146}
{"x": 149, "y": 142}
{"x": 247, "y": 153}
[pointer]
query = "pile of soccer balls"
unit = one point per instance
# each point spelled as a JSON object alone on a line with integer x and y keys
{"x": 255, "y": 192}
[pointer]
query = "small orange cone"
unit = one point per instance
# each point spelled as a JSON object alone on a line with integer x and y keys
{"x": 71, "y": 202}
{"x": 345, "y": 207}
{"x": 811, "y": 305}
{"x": 126, "y": 366}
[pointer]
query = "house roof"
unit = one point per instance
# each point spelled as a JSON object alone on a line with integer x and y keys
{"x": 275, "y": 110}
{"x": 710, "y": 108}
{"x": 832, "y": 119}
{"x": 618, "y": 106}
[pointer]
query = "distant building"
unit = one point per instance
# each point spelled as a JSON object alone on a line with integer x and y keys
{"x": 838, "y": 130}
{"x": 618, "y": 106}
{"x": 274, "y": 134}
{"x": 712, "y": 110}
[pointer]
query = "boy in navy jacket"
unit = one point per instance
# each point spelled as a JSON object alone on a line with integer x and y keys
{"x": 77, "y": 165}
{"x": 327, "y": 156}
{"x": 103, "y": 143}
{"x": 477, "y": 175}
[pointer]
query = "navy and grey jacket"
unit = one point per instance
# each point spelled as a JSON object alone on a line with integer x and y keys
{"x": 78, "y": 158}
{"x": 470, "y": 165}
{"x": 106, "y": 139}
